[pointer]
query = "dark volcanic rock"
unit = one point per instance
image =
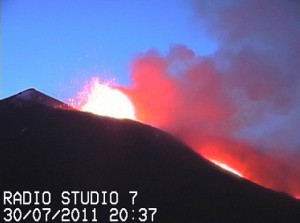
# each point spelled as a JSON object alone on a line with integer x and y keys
{"x": 32, "y": 97}
{"x": 47, "y": 149}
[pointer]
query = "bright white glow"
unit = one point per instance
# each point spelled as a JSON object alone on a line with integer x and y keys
{"x": 226, "y": 167}
{"x": 106, "y": 101}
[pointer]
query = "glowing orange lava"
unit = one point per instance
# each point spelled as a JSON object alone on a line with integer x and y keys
{"x": 226, "y": 167}
{"x": 102, "y": 99}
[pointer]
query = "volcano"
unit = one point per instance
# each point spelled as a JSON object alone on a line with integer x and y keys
{"x": 46, "y": 146}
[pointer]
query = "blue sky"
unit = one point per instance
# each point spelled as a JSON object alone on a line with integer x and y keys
{"x": 55, "y": 46}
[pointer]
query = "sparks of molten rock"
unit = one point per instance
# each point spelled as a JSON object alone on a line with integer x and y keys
{"x": 102, "y": 99}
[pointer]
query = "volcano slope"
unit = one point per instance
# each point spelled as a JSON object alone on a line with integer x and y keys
{"x": 43, "y": 148}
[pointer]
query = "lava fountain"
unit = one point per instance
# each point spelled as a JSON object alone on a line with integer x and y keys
{"x": 103, "y": 99}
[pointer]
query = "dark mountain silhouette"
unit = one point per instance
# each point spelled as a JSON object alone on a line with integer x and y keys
{"x": 32, "y": 97}
{"x": 48, "y": 149}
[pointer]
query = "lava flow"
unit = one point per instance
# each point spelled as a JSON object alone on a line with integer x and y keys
{"x": 102, "y": 99}
{"x": 227, "y": 168}
{"x": 231, "y": 155}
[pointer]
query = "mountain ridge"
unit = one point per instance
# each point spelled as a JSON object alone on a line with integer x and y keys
{"x": 32, "y": 96}
{"x": 42, "y": 148}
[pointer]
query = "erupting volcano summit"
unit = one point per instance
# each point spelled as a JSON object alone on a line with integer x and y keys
{"x": 43, "y": 148}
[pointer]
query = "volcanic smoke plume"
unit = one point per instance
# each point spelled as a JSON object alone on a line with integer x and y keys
{"x": 240, "y": 105}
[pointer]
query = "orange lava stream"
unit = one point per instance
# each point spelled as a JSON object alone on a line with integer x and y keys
{"x": 105, "y": 100}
